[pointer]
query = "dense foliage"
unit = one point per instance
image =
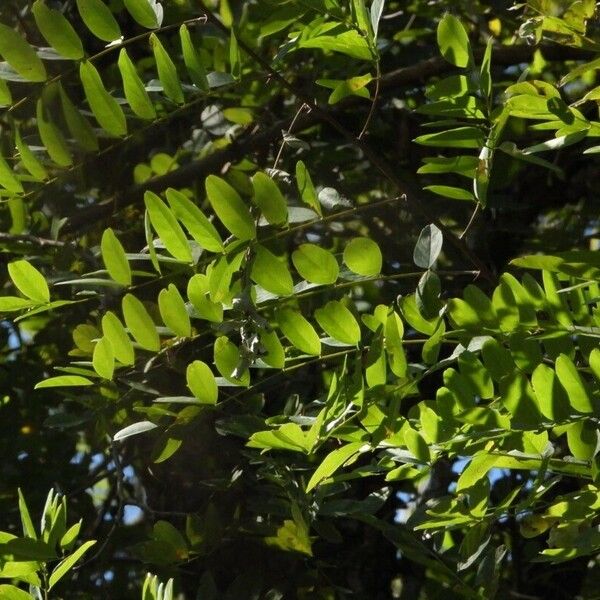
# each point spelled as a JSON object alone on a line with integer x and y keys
{"x": 299, "y": 299}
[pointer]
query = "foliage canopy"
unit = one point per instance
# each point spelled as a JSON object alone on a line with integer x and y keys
{"x": 299, "y": 299}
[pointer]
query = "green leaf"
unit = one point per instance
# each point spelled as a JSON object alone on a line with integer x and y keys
{"x": 106, "y": 109}
{"x": 167, "y": 71}
{"x": 27, "y": 523}
{"x": 460, "y": 137}
{"x": 453, "y": 41}
{"x": 65, "y": 565}
{"x": 113, "y": 330}
{"x": 57, "y": 30}
{"x": 271, "y": 273}
{"x": 29, "y": 281}
{"x": 103, "y": 358}
{"x": 8, "y": 178}
{"x": 229, "y": 362}
{"x": 193, "y": 61}
{"x": 350, "y": 43}
{"x": 485, "y": 76}
{"x": 394, "y": 333}
{"x": 5, "y": 94}
{"x": 202, "y": 382}
{"x": 428, "y": 247}
{"x": 417, "y": 445}
{"x": 114, "y": 258}
{"x": 230, "y": 208}
{"x": 167, "y": 227}
{"x": 52, "y": 139}
{"x": 63, "y": 381}
{"x": 298, "y": 331}
{"x": 134, "y": 89}
{"x": 20, "y": 55}
{"x": 70, "y": 536}
{"x": 197, "y": 292}
{"x": 338, "y": 322}
{"x": 582, "y": 438}
{"x": 569, "y": 377}
{"x": 462, "y": 165}
{"x": 26, "y": 549}
{"x": 448, "y": 191}
{"x": 135, "y": 429}
{"x": 140, "y": 323}
{"x": 315, "y": 264}
{"x": 363, "y": 256}
{"x": 11, "y": 592}
{"x": 79, "y": 127}
{"x": 332, "y": 462}
{"x": 29, "y": 159}
{"x": 194, "y": 220}
{"x": 269, "y": 199}
{"x": 163, "y": 531}
{"x": 144, "y": 13}
{"x": 14, "y": 303}
{"x": 99, "y": 19}
{"x": 173, "y": 311}
{"x": 275, "y": 354}
{"x": 552, "y": 398}
{"x": 520, "y": 400}
{"x": 234, "y": 56}
{"x": 307, "y": 190}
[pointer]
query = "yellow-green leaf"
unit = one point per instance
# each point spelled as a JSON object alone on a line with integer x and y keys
{"x": 197, "y": 292}
{"x": 271, "y": 273}
{"x": 20, "y": 55}
{"x": 332, "y": 462}
{"x": 299, "y": 331}
{"x": 113, "y": 330}
{"x": 140, "y": 323}
{"x": 363, "y": 256}
{"x": 63, "y": 381}
{"x": 230, "y": 208}
{"x": 99, "y": 19}
{"x": 134, "y": 89}
{"x": 167, "y": 71}
{"x": 167, "y": 227}
{"x": 29, "y": 281}
{"x": 269, "y": 199}
{"x": 173, "y": 311}
{"x": 29, "y": 159}
{"x": 193, "y": 61}
{"x": 78, "y": 125}
{"x": 114, "y": 258}
{"x": 315, "y": 264}
{"x": 103, "y": 358}
{"x": 453, "y": 41}
{"x": 202, "y": 382}
{"x": 8, "y": 178}
{"x": 145, "y": 12}
{"x": 57, "y": 30}
{"x": 229, "y": 362}
{"x": 338, "y": 322}
{"x": 569, "y": 377}
{"x": 52, "y": 139}
{"x": 106, "y": 109}
{"x": 195, "y": 221}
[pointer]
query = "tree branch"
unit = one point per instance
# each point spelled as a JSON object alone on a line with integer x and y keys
{"x": 259, "y": 137}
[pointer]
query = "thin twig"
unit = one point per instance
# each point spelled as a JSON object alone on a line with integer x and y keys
{"x": 471, "y": 221}
{"x": 289, "y": 130}
{"x": 374, "y": 102}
